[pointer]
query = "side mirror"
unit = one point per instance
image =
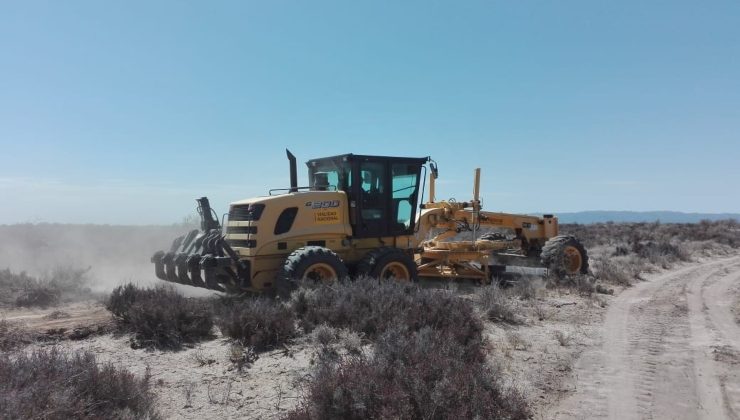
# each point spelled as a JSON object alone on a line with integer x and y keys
{"x": 435, "y": 172}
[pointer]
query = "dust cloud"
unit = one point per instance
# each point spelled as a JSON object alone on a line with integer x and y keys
{"x": 113, "y": 254}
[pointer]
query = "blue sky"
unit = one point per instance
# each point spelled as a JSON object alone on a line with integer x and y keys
{"x": 124, "y": 112}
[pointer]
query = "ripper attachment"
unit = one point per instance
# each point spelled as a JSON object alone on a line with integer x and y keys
{"x": 203, "y": 258}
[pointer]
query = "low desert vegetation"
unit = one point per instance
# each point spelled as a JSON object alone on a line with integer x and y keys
{"x": 410, "y": 375}
{"x": 622, "y": 252}
{"x": 160, "y": 317}
{"x": 61, "y": 285}
{"x": 54, "y": 384}
{"x": 723, "y": 232}
{"x": 261, "y": 324}
{"x": 370, "y": 307}
{"x": 13, "y": 336}
{"x": 428, "y": 357}
{"x": 498, "y": 304}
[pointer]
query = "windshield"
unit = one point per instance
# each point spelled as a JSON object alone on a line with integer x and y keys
{"x": 338, "y": 175}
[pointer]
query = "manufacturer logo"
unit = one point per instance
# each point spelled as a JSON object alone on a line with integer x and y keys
{"x": 326, "y": 204}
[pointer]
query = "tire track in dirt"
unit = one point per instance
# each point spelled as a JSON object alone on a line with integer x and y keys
{"x": 723, "y": 349}
{"x": 658, "y": 357}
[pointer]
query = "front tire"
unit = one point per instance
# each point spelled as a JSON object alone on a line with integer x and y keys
{"x": 311, "y": 263}
{"x": 388, "y": 263}
{"x": 564, "y": 255}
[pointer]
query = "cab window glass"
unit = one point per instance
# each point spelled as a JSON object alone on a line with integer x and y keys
{"x": 404, "y": 191}
{"x": 371, "y": 190}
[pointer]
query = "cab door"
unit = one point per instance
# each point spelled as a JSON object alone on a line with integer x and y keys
{"x": 371, "y": 198}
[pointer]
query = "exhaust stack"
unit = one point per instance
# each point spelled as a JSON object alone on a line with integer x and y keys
{"x": 293, "y": 172}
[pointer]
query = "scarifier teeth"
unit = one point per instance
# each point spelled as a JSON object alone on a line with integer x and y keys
{"x": 169, "y": 267}
{"x": 176, "y": 243}
{"x": 188, "y": 241}
{"x": 208, "y": 263}
{"x": 159, "y": 265}
{"x": 194, "y": 269}
{"x": 181, "y": 262}
{"x": 198, "y": 259}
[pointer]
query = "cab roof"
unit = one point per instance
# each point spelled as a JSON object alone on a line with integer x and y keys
{"x": 350, "y": 157}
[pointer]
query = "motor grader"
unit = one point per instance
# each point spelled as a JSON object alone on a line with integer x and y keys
{"x": 360, "y": 216}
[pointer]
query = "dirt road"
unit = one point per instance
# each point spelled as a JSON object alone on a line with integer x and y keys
{"x": 670, "y": 349}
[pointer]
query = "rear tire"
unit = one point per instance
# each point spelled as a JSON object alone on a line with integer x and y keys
{"x": 564, "y": 255}
{"x": 388, "y": 263}
{"x": 310, "y": 263}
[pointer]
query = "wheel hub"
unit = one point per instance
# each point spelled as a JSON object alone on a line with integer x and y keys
{"x": 320, "y": 272}
{"x": 395, "y": 270}
{"x": 572, "y": 260}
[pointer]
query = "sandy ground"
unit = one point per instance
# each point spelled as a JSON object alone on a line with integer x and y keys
{"x": 202, "y": 383}
{"x": 669, "y": 348}
{"x": 538, "y": 355}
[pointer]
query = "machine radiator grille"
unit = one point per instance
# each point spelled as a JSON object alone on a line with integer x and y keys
{"x": 246, "y": 212}
{"x": 242, "y": 243}
{"x": 241, "y": 229}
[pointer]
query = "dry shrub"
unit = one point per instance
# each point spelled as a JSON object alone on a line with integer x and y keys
{"x": 517, "y": 342}
{"x": 634, "y": 248}
{"x": 526, "y": 287}
{"x": 584, "y": 285}
{"x": 722, "y": 232}
{"x": 242, "y": 357}
{"x": 428, "y": 359}
{"x": 259, "y": 323}
{"x": 12, "y": 336}
{"x": 370, "y": 307}
{"x": 160, "y": 317}
{"x": 334, "y": 343}
{"x": 563, "y": 338}
{"x": 63, "y": 284}
{"x": 661, "y": 254}
{"x": 52, "y": 384}
{"x": 57, "y": 315}
{"x": 325, "y": 335}
{"x": 37, "y": 294}
{"x": 411, "y": 375}
{"x": 609, "y": 271}
{"x": 497, "y": 305}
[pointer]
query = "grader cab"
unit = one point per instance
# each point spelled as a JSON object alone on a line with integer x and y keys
{"x": 360, "y": 215}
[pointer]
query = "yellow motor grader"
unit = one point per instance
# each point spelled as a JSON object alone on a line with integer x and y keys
{"x": 360, "y": 216}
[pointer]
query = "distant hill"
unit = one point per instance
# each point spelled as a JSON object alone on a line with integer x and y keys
{"x": 585, "y": 217}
